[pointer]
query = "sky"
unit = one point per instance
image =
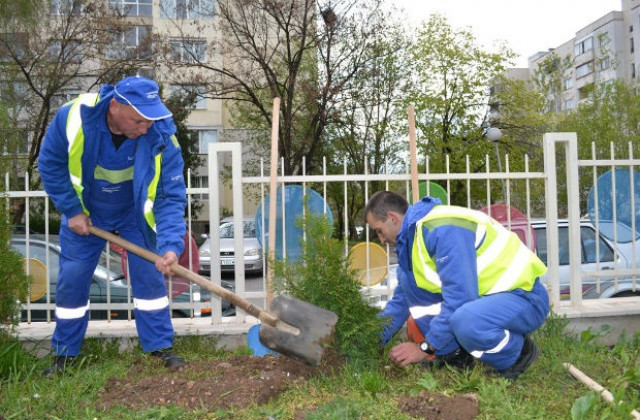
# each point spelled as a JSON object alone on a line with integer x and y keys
{"x": 528, "y": 26}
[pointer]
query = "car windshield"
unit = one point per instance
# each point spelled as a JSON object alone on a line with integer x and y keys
{"x": 226, "y": 230}
{"x": 623, "y": 232}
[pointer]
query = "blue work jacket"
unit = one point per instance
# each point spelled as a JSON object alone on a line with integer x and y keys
{"x": 170, "y": 198}
{"x": 454, "y": 250}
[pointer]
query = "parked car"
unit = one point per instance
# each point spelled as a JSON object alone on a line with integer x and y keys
{"x": 623, "y": 254}
{"x": 106, "y": 282}
{"x": 253, "y": 254}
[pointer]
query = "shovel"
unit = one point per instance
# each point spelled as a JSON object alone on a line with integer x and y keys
{"x": 298, "y": 329}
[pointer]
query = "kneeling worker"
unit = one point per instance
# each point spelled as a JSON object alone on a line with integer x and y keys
{"x": 471, "y": 285}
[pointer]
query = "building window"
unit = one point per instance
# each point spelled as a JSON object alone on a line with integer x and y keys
{"x": 583, "y": 46}
{"x": 631, "y": 45}
{"x": 630, "y": 28}
{"x": 65, "y": 51}
{"x": 187, "y": 9}
{"x": 132, "y": 7}
{"x": 66, "y": 7}
{"x": 568, "y": 104}
{"x": 584, "y": 69}
{"x": 200, "y": 182}
{"x": 603, "y": 64}
{"x": 13, "y": 93}
{"x": 633, "y": 70}
{"x": 568, "y": 83}
{"x": 198, "y": 91}
{"x": 13, "y": 46}
{"x": 188, "y": 51}
{"x": 206, "y": 137}
{"x": 132, "y": 43}
{"x": 16, "y": 142}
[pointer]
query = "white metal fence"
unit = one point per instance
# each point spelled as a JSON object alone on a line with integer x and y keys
{"x": 537, "y": 195}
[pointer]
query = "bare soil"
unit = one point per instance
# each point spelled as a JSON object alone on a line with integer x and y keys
{"x": 239, "y": 381}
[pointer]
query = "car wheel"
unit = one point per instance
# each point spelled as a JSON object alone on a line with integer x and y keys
{"x": 626, "y": 293}
{"x": 178, "y": 314}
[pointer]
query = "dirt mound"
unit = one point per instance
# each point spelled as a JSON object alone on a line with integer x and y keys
{"x": 239, "y": 381}
{"x": 440, "y": 407}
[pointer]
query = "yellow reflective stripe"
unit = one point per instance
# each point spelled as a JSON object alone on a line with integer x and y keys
{"x": 74, "y": 120}
{"x": 430, "y": 310}
{"x": 175, "y": 142}
{"x": 71, "y": 313}
{"x": 151, "y": 194}
{"x": 425, "y": 269}
{"x": 114, "y": 176}
{"x": 433, "y": 276}
{"x": 494, "y": 250}
{"x": 151, "y": 304}
{"x": 75, "y": 138}
{"x": 514, "y": 271}
{"x": 503, "y": 261}
{"x": 497, "y": 349}
{"x": 457, "y": 212}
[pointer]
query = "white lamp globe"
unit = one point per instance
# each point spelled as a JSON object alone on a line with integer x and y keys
{"x": 494, "y": 134}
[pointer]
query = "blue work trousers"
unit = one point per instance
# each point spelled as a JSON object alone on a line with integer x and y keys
{"x": 78, "y": 260}
{"x": 494, "y": 326}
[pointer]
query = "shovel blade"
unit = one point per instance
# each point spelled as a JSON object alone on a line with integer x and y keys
{"x": 316, "y": 326}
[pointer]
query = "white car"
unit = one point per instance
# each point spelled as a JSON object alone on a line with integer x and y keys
{"x": 623, "y": 254}
{"x": 253, "y": 253}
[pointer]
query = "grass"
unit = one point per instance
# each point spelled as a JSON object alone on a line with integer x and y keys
{"x": 546, "y": 391}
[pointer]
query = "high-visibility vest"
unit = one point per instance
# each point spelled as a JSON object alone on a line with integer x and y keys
{"x": 503, "y": 261}
{"x": 75, "y": 137}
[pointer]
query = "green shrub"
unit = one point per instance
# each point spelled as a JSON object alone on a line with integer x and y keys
{"x": 322, "y": 276}
{"x": 13, "y": 280}
{"x": 15, "y": 362}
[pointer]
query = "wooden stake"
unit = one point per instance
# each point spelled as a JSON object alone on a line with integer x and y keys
{"x": 413, "y": 155}
{"x": 273, "y": 190}
{"x": 582, "y": 377}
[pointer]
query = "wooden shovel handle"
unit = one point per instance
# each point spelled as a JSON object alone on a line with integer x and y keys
{"x": 181, "y": 271}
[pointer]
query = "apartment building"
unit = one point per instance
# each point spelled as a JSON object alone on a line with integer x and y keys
{"x": 181, "y": 30}
{"x": 189, "y": 27}
{"x": 606, "y": 49}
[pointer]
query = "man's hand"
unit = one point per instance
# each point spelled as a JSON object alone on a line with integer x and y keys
{"x": 408, "y": 352}
{"x": 163, "y": 264}
{"x": 80, "y": 224}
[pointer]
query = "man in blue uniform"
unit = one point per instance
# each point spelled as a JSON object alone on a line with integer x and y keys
{"x": 112, "y": 160}
{"x": 470, "y": 285}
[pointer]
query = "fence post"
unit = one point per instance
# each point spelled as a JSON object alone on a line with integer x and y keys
{"x": 214, "y": 218}
{"x": 570, "y": 142}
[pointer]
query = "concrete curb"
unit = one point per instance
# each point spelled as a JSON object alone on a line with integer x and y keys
{"x": 36, "y": 336}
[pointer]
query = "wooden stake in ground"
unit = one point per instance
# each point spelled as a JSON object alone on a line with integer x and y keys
{"x": 413, "y": 155}
{"x": 273, "y": 187}
{"x": 582, "y": 377}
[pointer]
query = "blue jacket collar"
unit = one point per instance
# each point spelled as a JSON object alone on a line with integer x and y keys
{"x": 419, "y": 210}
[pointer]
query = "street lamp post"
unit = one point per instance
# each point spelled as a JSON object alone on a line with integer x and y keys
{"x": 494, "y": 134}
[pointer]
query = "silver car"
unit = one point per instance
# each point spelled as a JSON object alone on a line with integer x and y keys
{"x": 253, "y": 254}
{"x": 617, "y": 252}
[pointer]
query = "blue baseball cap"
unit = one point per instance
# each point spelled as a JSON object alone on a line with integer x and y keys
{"x": 142, "y": 94}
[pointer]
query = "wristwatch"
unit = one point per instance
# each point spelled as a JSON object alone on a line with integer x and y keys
{"x": 426, "y": 347}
